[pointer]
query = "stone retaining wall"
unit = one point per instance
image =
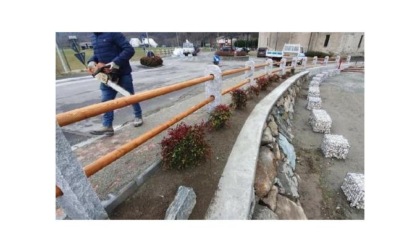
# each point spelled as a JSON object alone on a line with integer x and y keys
{"x": 235, "y": 197}
{"x": 258, "y": 181}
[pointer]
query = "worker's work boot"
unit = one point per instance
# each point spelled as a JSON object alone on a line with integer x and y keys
{"x": 137, "y": 122}
{"x": 107, "y": 131}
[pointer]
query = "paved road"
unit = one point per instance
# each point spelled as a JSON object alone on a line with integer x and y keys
{"x": 82, "y": 91}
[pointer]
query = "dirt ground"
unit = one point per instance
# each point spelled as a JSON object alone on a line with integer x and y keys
{"x": 154, "y": 197}
{"x": 320, "y": 178}
{"x": 321, "y": 196}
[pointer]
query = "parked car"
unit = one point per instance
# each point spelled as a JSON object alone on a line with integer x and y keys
{"x": 261, "y": 52}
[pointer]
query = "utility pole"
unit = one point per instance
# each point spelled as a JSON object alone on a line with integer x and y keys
{"x": 60, "y": 55}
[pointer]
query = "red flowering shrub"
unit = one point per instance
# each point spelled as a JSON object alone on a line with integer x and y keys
{"x": 263, "y": 82}
{"x": 185, "y": 146}
{"x": 252, "y": 90}
{"x": 274, "y": 77}
{"x": 239, "y": 98}
{"x": 219, "y": 116}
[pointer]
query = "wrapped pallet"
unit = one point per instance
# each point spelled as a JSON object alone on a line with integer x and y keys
{"x": 314, "y": 102}
{"x": 354, "y": 189}
{"x": 318, "y": 79}
{"x": 313, "y": 91}
{"x": 335, "y": 146}
{"x": 314, "y": 84}
{"x": 320, "y": 121}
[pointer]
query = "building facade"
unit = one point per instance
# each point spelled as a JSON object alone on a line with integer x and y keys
{"x": 337, "y": 43}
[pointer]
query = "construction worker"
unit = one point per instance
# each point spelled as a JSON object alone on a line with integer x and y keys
{"x": 112, "y": 49}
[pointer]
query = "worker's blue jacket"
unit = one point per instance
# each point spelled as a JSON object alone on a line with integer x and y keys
{"x": 112, "y": 46}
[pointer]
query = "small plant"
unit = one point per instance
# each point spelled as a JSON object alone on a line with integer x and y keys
{"x": 292, "y": 71}
{"x": 239, "y": 98}
{"x": 219, "y": 116}
{"x": 185, "y": 146}
{"x": 274, "y": 77}
{"x": 263, "y": 82}
{"x": 252, "y": 90}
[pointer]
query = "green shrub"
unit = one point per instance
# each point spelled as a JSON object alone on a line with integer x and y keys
{"x": 223, "y": 53}
{"x": 151, "y": 61}
{"x": 316, "y": 53}
{"x": 185, "y": 146}
{"x": 239, "y": 98}
{"x": 219, "y": 116}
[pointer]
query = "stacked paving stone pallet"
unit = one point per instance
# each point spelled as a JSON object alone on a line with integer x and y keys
{"x": 314, "y": 99}
{"x": 320, "y": 121}
{"x": 354, "y": 189}
{"x": 314, "y": 102}
{"x": 335, "y": 146}
{"x": 313, "y": 91}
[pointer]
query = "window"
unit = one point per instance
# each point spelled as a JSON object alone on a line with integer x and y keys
{"x": 360, "y": 42}
{"x": 327, "y": 39}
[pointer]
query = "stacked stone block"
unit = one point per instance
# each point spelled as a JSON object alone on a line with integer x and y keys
{"x": 314, "y": 92}
{"x": 314, "y": 103}
{"x": 335, "y": 146}
{"x": 354, "y": 189}
{"x": 314, "y": 84}
{"x": 320, "y": 121}
{"x": 318, "y": 79}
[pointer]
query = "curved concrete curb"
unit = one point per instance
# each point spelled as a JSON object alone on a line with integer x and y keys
{"x": 234, "y": 198}
{"x": 235, "y": 194}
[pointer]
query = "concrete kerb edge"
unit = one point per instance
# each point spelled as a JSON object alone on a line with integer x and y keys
{"x": 115, "y": 200}
{"x": 233, "y": 199}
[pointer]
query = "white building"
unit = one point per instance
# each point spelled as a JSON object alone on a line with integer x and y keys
{"x": 341, "y": 43}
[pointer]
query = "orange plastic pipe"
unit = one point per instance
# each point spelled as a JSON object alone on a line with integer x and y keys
{"x": 261, "y": 65}
{"x": 234, "y": 71}
{"x": 107, "y": 159}
{"x": 236, "y": 86}
{"x": 76, "y": 115}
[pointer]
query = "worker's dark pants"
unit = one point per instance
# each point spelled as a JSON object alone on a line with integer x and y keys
{"x": 126, "y": 82}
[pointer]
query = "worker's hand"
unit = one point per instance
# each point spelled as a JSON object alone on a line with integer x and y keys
{"x": 91, "y": 67}
{"x": 99, "y": 66}
{"x": 112, "y": 66}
